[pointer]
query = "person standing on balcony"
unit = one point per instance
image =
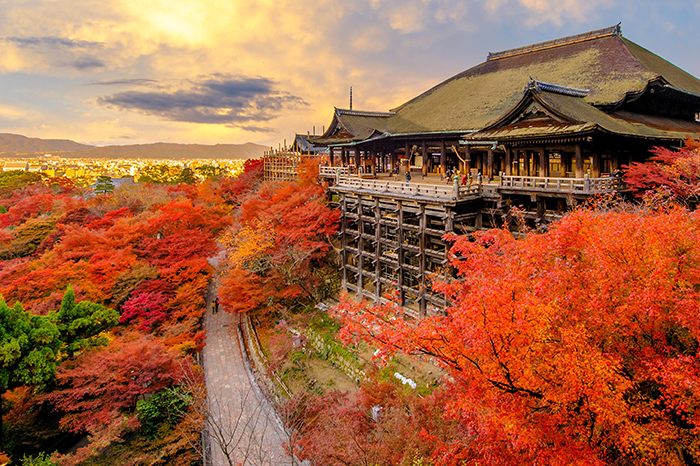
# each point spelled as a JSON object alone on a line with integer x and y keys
{"x": 408, "y": 177}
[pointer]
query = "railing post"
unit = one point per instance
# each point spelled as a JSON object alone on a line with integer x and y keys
{"x": 586, "y": 183}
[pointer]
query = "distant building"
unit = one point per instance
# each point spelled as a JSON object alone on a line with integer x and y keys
{"x": 11, "y": 166}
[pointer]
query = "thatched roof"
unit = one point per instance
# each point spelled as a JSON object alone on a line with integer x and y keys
{"x": 609, "y": 66}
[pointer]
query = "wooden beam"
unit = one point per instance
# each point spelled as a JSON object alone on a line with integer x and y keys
{"x": 360, "y": 248}
{"x": 509, "y": 160}
{"x": 423, "y": 223}
{"x": 344, "y": 243}
{"x": 443, "y": 157}
{"x": 595, "y": 166}
{"x": 400, "y": 251}
{"x": 544, "y": 163}
{"x": 579, "y": 162}
{"x": 377, "y": 251}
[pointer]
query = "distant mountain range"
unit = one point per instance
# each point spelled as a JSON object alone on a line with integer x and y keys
{"x": 17, "y": 145}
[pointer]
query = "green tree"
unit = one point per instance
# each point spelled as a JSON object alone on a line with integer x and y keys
{"x": 210, "y": 171}
{"x": 81, "y": 324}
{"x": 28, "y": 350}
{"x": 160, "y": 173}
{"x": 186, "y": 176}
{"x": 104, "y": 185}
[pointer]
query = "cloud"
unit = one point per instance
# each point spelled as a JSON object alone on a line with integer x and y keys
{"x": 124, "y": 82}
{"x": 51, "y": 42}
{"x": 61, "y": 51}
{"x": 235, "y": 101}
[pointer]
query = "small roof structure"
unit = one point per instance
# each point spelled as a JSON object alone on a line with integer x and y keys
{"x": 353, "y": 125}
{"x": 304, "y": 143}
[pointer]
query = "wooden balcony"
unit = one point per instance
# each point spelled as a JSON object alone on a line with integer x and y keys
{"x": 432, "y": 188}
{"x": 585, "y": 185}
{"x": 432, "y": 191}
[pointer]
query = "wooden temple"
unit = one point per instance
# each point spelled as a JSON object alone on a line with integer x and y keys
{"x": 540, "y": 127}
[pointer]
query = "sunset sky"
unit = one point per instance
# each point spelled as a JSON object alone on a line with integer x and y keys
{"x": 235, "y": 71}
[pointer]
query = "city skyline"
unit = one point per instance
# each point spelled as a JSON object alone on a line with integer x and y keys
{"x": 208, "y": 73}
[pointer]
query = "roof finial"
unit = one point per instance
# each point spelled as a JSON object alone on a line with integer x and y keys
{"x": 350, "y": 97}
{"x": 617, "y": 30}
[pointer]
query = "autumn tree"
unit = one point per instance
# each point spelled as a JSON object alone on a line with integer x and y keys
{"x": 576, "y": 346}
{"x": 670, "y": 173}
{"x": 95, "y": 387}
{"x": 279, "y": 247}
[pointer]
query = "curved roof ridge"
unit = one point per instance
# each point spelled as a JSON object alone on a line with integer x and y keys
{"x": 610, "y": 31}
{"x": 341, "y": 111}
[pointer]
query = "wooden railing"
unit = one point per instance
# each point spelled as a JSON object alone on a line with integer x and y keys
{"x": 452, "y": 192}
{"x": 335, "y": 171}
{"x": 447, "y": 192}
{"x": 583, "y": 185}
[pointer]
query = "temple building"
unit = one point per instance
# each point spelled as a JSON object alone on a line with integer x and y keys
{"x": 594, "y": 101}
{"x": 540, "y": 127}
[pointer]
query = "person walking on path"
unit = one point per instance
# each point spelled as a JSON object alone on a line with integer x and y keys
{"x": 215, "y": 305}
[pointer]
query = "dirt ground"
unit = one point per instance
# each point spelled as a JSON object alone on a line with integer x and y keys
{"x": 302, "y": 368}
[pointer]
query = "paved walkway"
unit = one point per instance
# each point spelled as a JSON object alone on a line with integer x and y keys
{"x": 243, "y": 426}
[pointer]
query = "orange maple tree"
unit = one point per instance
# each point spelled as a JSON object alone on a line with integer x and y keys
{"x": 577, "y": 346}
{"x": 278, "y": 246}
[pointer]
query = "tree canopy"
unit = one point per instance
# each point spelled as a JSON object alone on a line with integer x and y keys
{"x": 576, "y": 346}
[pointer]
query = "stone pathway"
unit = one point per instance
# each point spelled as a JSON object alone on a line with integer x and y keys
{"x": 244, "y": 425}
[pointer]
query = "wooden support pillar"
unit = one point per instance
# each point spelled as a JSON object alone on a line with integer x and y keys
{"x": 423, "y": 225}
{"x": 489, "y": 163}
{"x": 377, "y": 252}
{"x": 358, "y": 159}
{"x": 360, "y": 251}
{"x": 509, "y": 161}
{"x": 400, "y": 251}
{"x": 467, "y": 158}
{"x": 427, "y": 164}
{"x": 544, "y": 163}
{"x": 373, "y": 158}
{"x": 344, "y": 243}
{"x": 526, "y": 162}
{"x": 595, "y": 166}
{"x": 330, "y": 156}
{"x": 541, "y": 207}
{"x": 407, "y": 154}
{"x": 343, "y": 160}
{"x": 579, "y": 162}
{"x": 449, "y": 228}
{"x": 443, "y": 157}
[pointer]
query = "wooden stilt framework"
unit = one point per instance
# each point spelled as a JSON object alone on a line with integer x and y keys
{"x": 392, "y": 249}
{"x": 282, "y": 165}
